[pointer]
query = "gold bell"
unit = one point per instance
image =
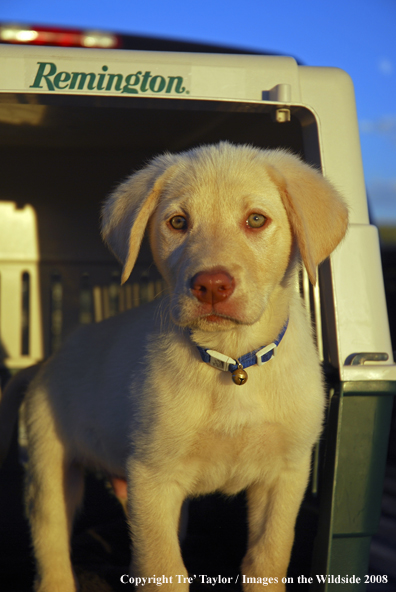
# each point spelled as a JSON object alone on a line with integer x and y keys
{"x": 239, "y": 376}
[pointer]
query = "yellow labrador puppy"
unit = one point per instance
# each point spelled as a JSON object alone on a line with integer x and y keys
{"x": 185, "y": 396}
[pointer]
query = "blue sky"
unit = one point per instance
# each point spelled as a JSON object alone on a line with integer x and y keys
{"x": 355, "y": 35}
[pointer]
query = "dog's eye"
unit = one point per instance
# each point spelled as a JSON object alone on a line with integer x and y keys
{"x": 256, "y": 220}
{"x": 178, "y": 222}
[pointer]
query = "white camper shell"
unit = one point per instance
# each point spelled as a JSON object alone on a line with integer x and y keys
{"x": 74, "y": 122}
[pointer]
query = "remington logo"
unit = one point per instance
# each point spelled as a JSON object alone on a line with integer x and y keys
{"x": 48, "y": 78}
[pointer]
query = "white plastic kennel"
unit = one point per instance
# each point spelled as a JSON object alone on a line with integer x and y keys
{"x": 73, "y": 123}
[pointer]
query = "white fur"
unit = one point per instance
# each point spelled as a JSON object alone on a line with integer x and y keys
{"x": 131, "y": 395}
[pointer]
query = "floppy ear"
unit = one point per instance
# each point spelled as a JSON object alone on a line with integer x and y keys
{"x": 317, "y": 213}
{"x": 126, "y": 212}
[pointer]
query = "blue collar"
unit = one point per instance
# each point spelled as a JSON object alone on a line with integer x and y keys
{"x": 258, "y": 356}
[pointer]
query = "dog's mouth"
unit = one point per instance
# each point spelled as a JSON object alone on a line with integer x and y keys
{"x": 214, "y": 321}
{"x": 216, "y": 311}
{"x": 214, "y": 318}
{"x": 218, "y": 318}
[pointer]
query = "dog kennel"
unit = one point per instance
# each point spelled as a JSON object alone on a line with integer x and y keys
{"x": 73, "y": 123}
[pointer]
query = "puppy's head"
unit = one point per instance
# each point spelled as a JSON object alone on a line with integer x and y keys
{"x": 224, "y": 223}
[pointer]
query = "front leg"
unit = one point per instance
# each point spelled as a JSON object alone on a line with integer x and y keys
{"x": 154, "y": 506}
{"x": 272, "y": 513}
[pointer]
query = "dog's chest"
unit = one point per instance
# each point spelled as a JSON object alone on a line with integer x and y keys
{"x": 231, "y": 463}
{"x": 228, "y": 456}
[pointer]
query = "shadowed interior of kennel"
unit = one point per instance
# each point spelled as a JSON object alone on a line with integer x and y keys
{"x": 62, "y": 156}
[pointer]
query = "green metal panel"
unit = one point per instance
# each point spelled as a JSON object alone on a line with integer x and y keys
{"x": 349, "y": 557}
{"x": 351, "y": 484}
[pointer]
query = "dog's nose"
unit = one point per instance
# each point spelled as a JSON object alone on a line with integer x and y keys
{"x": 212, "y": 286}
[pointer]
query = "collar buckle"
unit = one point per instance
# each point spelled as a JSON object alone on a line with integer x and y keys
{"x": 265, "y": 350}
{"x": 220, "y": 361}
